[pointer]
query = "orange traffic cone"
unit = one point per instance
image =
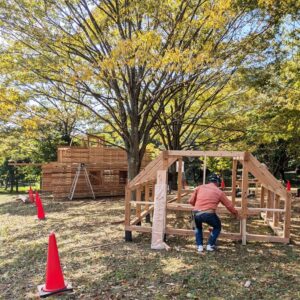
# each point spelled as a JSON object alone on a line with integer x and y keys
{"x": 288, "y": 186}
{"x": 30, "y": 195}
{"x": 39, "y": 207}
{"x": 222, "y": 184}
{"x": 54, "y": 277}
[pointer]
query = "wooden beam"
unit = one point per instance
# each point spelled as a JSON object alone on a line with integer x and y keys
{"x": 276, "y": 214}
{"x": 262, "y": 196}
{"x": 142, "y": 203}
{"x": 139, "y": 228}
{"x": 267, "y": 238}
{"x": 127, "y": 206}
{"x": 147, "y": 195}
{"x": 243, "y": 224}
{"x": 138, "y": 200}
{"x": 192, "y": 153}
{"x": 269, "y": 204}
{"x": 159, "y": 214}
{"x": 179, "y": 180}
{"x": 258, "y": 209}
{"x": 233, "y": 180}
{"x": 287, "y": 216}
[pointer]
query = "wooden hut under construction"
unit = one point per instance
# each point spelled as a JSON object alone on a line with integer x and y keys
{"x": 147, "y": 195}
{"x": 106, "y": 168}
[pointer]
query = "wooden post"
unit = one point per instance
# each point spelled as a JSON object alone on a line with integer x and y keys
{"x": 179, "y": 180}
{"x": 276, "y": 214}
{"x": 147, "y": 196}
{"x": 287, "y": 216}
{"x": 234, "y": 167}
{"x": 204, "y": 170}
{"x": 128, "y": 234}
{"x": 160, "y": 208}
{"x": 262, "y": 196}
{"x": 269, "y": 205}
{"x": 244, "y": 202}
{"x": 138, "y": 207}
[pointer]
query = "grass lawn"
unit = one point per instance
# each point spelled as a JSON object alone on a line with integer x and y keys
{"x": 101, "y": 265}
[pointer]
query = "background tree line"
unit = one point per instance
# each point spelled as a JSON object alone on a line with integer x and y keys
{"x": 152, "y": 74}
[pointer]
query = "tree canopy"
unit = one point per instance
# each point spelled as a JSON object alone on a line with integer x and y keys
{"x": 182, "y": 74}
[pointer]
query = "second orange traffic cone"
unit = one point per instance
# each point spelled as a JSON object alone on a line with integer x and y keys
{"x": 288, "y": 185}
{"x": 222, "y": 184}
{"x": 39, "y": 207}
{"x": 30, "y": 195}
{"x": 54, "y": 276}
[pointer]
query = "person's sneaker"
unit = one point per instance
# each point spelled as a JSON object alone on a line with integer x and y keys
{"x": 200, "y": 248}
{"x": 210, "y": 248}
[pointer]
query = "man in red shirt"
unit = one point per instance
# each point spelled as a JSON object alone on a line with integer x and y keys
{"x": 205, "y": 200}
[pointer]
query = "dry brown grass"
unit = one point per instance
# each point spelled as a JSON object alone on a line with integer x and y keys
{"x": 101, "y": 265}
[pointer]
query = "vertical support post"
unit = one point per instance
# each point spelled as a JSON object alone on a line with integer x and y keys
{"x": 147, "y": 196}
{"x": 287, "y": 216}
{"x": 160, "y": 207}
{"x": 204, "y": 170}
{"x": 128, "y": 234}
{"x": 244, "y": 199}
{"x": 276, "y": 214}
{"x": 179, "y": 180}
{"x": 269, "y": 205}
{"x": 233, "y": 180}
{"x": 138, "y": 207}
{"x": 262, "y": 196}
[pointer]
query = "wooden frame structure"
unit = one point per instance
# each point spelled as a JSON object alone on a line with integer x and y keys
{"x": 106, "y": 167}
{"x": 274, "y": 202}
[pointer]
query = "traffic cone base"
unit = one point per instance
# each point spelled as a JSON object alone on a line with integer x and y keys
{"x": 44, "y": 294}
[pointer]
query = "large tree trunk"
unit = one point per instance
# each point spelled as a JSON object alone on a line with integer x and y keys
{"x": 133, "y": 163}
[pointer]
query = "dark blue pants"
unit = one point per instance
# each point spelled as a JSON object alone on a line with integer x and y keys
{"x": 211, "y": 219}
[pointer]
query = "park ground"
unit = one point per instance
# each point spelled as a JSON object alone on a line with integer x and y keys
{"x": 101, "y": 265}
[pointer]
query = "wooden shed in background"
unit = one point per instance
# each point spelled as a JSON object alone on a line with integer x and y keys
{"x": 106, "y": 167}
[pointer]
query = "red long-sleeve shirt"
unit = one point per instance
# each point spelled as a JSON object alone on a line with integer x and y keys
{"x": 208, "y": 196}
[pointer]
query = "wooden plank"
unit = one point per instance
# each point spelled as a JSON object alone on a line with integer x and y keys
{"x": 259, "y": 209}
{"x": 138, "y": 199}
{"x": 267, "y": 238}
{"x": 276, "y": 214}
{"x": 189, "y": 232}
{"x": 127, "y": 206}
{"x": 233, "y": 185}
{"x": 244, "y": 202}
{"x": 146, "y": 170}
{"x": 147, "y": 195}
{"x": 266, "y": 177}
{"x": 262, "y": 196}
{"x": 287, "y": 216}
{"x": 142, "y": 202}
{"x": 192, "y": 153}
{"x": 269, "y": 204}
{"x": 179, "y": 181}
{"x": 138, "y": 228}
{"x": 159, "y": 214}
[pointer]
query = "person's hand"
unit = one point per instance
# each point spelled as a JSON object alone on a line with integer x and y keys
{"x": 237, "y": 215}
